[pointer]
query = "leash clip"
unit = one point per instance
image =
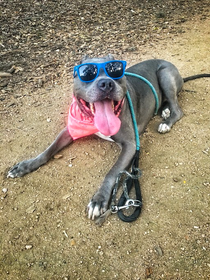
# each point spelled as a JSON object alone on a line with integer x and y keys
{"x": 129, "y": 203}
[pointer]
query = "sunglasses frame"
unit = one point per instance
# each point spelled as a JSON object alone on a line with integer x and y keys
{"x": 99, "y": 66}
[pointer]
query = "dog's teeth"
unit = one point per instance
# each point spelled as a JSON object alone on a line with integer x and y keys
{"x": 92, "y": 108}
{"x": 113, "y": 105}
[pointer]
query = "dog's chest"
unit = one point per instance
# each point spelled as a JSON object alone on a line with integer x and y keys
{"x": 108, "y": 138}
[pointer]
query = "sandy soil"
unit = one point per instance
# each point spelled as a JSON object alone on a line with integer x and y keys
{"x": 44, "y": 232}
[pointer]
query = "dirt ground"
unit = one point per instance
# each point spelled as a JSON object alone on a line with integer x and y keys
{"x": 44, "y": 232}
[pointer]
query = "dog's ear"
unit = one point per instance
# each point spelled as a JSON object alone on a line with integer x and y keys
{"x": 110, "y": 57}
{"x": 84, "y": 58}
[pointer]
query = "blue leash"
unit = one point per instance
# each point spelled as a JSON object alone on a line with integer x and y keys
{"x": 131, "y": 105}
{"x": 131, "y": 178}
{"x": 150, "y": 85}
{"x": 134, "y": 120}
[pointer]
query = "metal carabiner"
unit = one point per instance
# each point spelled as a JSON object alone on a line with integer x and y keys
{"x": 115, "y": 208}
{"x": 129, "y": 203}
{"x": 133, "y": 202}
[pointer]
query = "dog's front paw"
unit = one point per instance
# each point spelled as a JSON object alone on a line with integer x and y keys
{"x": 97, "y": 206}
{"x": 21, "y": 169}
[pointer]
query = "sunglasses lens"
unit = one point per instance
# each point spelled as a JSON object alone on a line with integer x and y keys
{"x": 88, "y": 72}
{"x": 115, "y": 69}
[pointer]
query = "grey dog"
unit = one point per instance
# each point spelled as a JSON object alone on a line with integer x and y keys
{"x": 107, "y": 93}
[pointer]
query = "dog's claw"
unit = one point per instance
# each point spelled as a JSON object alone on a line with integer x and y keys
{"x": 14, "y": 172}
{"x": 96, "y": 207}
{"x": 93, "y": 211}
{"x": 10, "y": 175}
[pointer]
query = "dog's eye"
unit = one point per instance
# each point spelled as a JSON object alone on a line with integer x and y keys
{"x": 115, "y": 69}
{"x": 88, "y": 72}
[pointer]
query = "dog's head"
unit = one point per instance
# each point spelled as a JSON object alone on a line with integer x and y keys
{"x": 100, "y": 88}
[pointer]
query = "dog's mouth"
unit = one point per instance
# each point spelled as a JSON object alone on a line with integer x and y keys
{"x": 89, "y": 108}
{"x": 105, "y": 114}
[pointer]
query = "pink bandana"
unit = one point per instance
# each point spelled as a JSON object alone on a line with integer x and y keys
{"x": 79, "y": 125}
{"x": 104, "y": 120}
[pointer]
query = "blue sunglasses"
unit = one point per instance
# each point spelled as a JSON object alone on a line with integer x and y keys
{"x": 88, "y": 72}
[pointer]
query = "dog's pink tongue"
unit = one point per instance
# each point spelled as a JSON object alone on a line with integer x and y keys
{"x": 104, "y": 119}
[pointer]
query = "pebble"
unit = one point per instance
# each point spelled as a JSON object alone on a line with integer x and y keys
{"x": 66, "y": 196}
{"x": 5, "y": 74}
{"x": 57, "y": 156}
{"x": 175, "y": 179}
{"x": 30, "y": 209}
{"x": 72, "y": 243}
{"x": 4, "y": 190}
{"x": 64, "y": 232}
{"x": 159, "y": 251}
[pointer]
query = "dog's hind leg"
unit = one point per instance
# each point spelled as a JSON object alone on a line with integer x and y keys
{"x": 27, "y": 166}
{"x": 170, "y": 83}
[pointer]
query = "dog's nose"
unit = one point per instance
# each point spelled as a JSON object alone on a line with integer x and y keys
{"x": 106, "y": 85}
